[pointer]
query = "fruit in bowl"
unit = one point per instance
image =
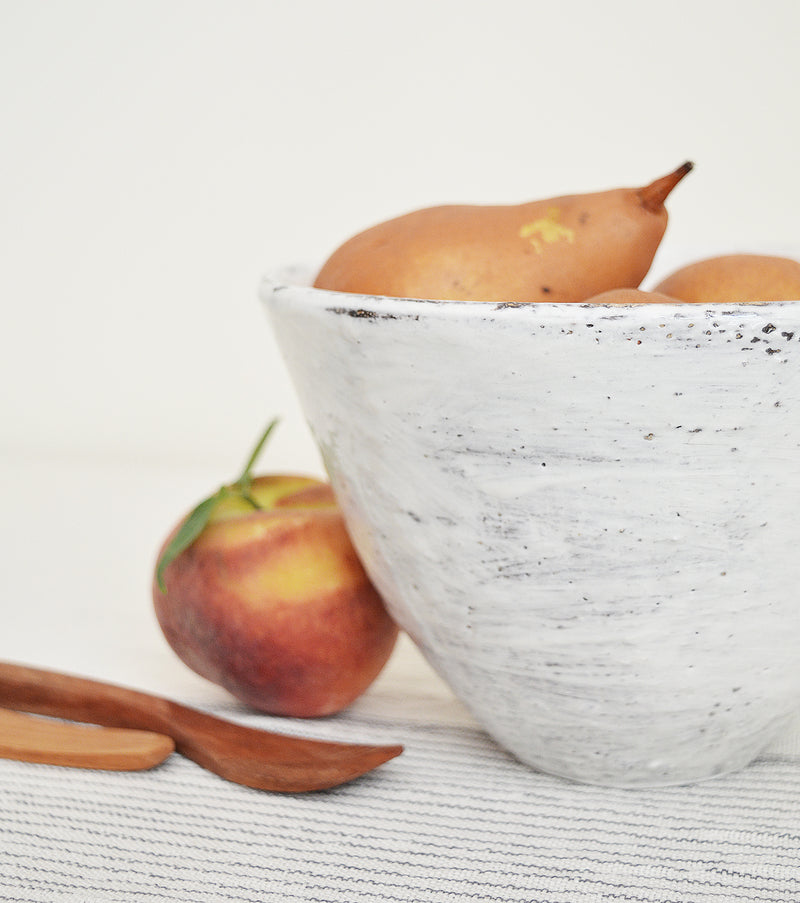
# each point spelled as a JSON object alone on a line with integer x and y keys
{"x": 260, "y": 590}
{"x": 559, "y": 249}
{"x": 735, "y": 277}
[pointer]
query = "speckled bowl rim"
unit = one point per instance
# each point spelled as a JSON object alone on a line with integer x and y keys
{"x": 296, "y": 281}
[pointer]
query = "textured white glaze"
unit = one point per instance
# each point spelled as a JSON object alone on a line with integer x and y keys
{"x": 586, "y": 517}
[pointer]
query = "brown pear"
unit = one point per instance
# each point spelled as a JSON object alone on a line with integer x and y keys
{"x": 735, "y": 278}
{"x": 631, "y": 296}
{"x": 560, "y": 249}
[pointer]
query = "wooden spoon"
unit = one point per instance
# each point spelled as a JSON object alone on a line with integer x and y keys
{"x": 28, "y": 738}
{"x": 255, "y": 758}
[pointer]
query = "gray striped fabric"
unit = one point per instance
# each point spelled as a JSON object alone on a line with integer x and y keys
{"x": 452, "y": 819}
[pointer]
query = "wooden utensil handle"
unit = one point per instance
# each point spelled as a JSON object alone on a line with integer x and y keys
{"x": 29, "y": 738}
{"x": 44, "y": 692}
{"x": 255, "y": 758}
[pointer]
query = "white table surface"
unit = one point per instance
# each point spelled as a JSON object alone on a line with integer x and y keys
{"x": 453, "y": 818}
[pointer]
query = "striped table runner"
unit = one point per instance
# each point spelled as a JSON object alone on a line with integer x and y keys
{"x": 452, "y": 819}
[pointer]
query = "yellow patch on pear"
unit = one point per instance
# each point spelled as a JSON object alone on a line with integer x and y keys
{"x": 548, "y": 229}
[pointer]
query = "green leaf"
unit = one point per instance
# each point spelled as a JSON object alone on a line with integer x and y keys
{"x": 245, "y": 477}
{"x": 190, "y": 529}
{"x": 200, "y": 515}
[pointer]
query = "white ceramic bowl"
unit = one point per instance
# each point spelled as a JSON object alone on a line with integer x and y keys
{"x": 587, "y": 518}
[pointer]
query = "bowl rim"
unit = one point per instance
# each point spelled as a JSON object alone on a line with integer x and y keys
{"x": 296, "y": 281}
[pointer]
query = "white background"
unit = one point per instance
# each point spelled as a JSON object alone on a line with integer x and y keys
{"x": 157, "y": 156}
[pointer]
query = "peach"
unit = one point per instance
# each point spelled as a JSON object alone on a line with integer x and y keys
{"x": 272, "y": 602}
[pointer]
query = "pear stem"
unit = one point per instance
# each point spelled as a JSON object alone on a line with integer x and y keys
{"x": 652, "y": 196}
